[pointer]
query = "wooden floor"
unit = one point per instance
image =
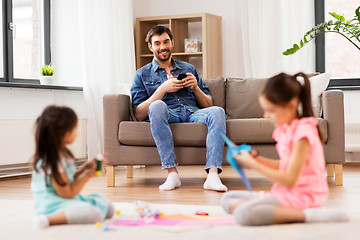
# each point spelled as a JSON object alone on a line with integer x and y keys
{"x": 144, "y": 186}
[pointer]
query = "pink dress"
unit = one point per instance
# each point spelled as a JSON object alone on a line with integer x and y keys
{"x": 311, "y": 189}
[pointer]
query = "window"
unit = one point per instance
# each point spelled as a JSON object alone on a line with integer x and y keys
{"x": 334, "y": 53}
{"x": 25, "y": 41}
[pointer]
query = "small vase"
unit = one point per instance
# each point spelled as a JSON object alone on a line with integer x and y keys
{"x": 46, "y": 80}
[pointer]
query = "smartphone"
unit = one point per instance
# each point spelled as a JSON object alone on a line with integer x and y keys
{"x": 181, "y": 76}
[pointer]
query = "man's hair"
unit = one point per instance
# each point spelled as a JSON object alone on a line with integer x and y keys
{"x": 157, "y": 31}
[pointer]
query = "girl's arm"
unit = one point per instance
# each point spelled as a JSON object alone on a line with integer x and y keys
{"x": 71, "y": 190}
{"x": 291, "y": 175}
{"x": 271, "y": 163}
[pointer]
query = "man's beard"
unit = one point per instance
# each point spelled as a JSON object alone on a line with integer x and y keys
{"x": 161, "y": 57}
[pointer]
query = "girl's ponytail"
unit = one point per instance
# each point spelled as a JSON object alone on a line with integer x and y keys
{"x": 305, "y": 96}
{"x": 305, "y": 99}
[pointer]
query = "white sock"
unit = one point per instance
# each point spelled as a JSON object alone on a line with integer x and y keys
{"x": 40, "y": 222}
{"x": 213, "y": 182}
{"x": 172, "y": 181}
{"x": 324, "y": 215}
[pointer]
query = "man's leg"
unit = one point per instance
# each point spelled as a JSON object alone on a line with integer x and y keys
{"x": 214, "y": 118}
{"x": 160, "y": 116}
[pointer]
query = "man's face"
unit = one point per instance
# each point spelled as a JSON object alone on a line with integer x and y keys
{"x": 161, "y": 47}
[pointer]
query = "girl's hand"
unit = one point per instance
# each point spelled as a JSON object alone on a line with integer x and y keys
{"x": 254, "y": 153}
{"x": 245, "y": 159}
{"x": 89, "y": 167}
{"x": 93, "y": 163}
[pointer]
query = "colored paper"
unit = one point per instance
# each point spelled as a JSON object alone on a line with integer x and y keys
{"x": 233, "y": 149}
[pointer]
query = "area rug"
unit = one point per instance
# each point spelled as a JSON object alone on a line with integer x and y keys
{"x": 16, "y": 223}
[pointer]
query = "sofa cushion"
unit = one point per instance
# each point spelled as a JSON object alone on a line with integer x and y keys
{"x": 217, "y": 90}
{"x": 242, "y": 97}
{"x": 318, "y": 84}
{"x": 251, "y": 131}
{"x": 257, "y": 130}
{"x": 184, "y": 134}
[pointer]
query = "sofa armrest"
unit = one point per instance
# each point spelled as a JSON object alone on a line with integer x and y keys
{"x": 333, "y": 110}
{"x": 116, "y": 109}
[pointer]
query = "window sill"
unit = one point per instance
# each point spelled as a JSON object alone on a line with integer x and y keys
{"x": 39, "y": 86}
{"x": 345, "y": 84}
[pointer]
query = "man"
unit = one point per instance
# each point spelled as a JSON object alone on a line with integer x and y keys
{"x": 158, "y": 96}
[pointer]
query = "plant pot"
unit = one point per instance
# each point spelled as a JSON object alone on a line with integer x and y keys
{"x": 46, "y": 80}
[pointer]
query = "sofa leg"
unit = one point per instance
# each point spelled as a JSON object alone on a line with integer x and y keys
{"x": 110, "y": 175}
{"x": 129, "y": 171}
{"x": 330, "y": 170}
{"x": 338, "y": 174}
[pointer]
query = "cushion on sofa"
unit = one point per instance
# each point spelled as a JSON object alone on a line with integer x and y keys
{"x": 251, "y": 131}
{"x": 217, "y": 90}
{"x": 318, "y": 84}
{"x": 257, "y": 130}
{"x": 242, "y": 97}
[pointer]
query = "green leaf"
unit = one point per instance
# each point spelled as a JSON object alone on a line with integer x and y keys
{"x": 289, "y": 51}
{"x": 337, "y": 16}
{"x": 357, "y": 13}
{"x": 301, "y": 43}
{"x": 305, "y": 40}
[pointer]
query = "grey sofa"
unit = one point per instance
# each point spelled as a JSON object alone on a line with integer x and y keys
{"x": 129, "y": 142}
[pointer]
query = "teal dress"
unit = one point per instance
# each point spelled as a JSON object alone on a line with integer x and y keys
{"x": 48, "y": 202}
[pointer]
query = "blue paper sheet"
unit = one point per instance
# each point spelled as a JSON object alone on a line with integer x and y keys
{"x": 233, "y": 149}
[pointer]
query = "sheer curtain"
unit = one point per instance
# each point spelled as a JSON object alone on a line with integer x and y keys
{"x": 267, "y": 28}
{"x": 108, "y": 58}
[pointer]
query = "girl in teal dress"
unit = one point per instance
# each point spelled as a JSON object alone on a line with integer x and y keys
{"x": 56, "y": 183}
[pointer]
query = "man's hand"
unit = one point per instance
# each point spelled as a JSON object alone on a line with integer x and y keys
{"x": 172, "y": 85}
{"x": 190, "y": 81}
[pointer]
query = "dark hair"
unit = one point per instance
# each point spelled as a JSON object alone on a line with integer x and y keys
{"x": 157, "y": 31}
{"x": 282, "y": 88}
{"x": 51, "y": 126}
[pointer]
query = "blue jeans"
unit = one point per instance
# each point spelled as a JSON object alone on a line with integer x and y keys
{"x": 213, "y": 117}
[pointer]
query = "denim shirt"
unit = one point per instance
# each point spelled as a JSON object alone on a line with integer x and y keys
{"x": 148, "y": 78}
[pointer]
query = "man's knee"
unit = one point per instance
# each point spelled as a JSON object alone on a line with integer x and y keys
{"x": 157, "y": 108}
{"x": 218, "y": 113}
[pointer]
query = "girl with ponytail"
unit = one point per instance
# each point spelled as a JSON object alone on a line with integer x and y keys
{"x": 300, "y": 188}
{"x": 56, "y": 182}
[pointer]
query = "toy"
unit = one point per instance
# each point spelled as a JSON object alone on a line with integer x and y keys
{"x": 117, "y": 212}
{"x": 108, "y": 228}
{"x": 201, "y": 213}
{"x": 99, "y": 159}
{"x": 145, "y": 212}
{"x": 98, "y": 224}
{"x": 233, "y": 149}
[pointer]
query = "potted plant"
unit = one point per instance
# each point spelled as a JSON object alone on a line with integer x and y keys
{"x": 349, "y": 29}
{"x": 47, "y": 74}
